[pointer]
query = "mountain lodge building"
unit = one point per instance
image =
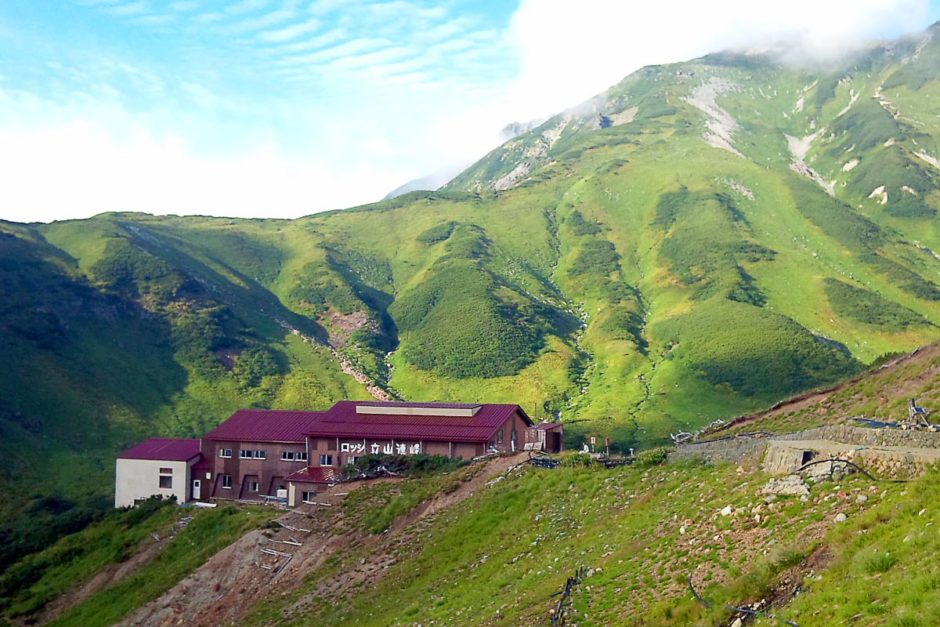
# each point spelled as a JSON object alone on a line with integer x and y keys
{"x": 261, "y": 454}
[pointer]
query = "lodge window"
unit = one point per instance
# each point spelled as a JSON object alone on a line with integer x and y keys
{"x": 243, "y": 454}
{"x": 499, "y": 437}
{"x": 307, "y": 497}
{"x": 287, "y": 456}
{"x": 326, "y": 460}
{"x": 166, "y": 471}
{"x": 301, "y": 456}
{"x": 227, "y": 481}
{"x": 253, "y": 486}
{"x": 260, "y": 454}
{"x": 166, "y": 482}
{"x": 294, "y": 456}
{"x": 225, "y": 452}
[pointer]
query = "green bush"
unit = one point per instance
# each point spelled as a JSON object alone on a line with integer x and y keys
{"x": 577, "y": 459}
{"x": 868, "y": 307}
{"x": 595, "y": 256}
{"x": 651, "y": 457}
{"x": 437, "y": 233}
{"x": 405, "y": 465}
{"x": 580, "y": 226}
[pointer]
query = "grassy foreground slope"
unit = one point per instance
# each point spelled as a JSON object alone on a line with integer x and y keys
{"x": 500, "y": 557}
{"x": 495, "y": 546}
{"x": 125, "y": 560}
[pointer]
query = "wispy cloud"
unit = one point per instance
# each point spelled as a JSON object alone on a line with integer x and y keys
{"x": 290, "y": 32}
{"x": 352, "y": 47}
{"x": 247, "y": 6}
{"x": 129, "y": 9}
{"x": 184, "y": 6}
{"x": 313, "y": 43}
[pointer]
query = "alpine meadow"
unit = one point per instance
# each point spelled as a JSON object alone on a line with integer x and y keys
{"x": 696, "y": 243}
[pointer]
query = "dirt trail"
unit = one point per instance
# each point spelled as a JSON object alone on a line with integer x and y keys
{"x": 229, "y": 585}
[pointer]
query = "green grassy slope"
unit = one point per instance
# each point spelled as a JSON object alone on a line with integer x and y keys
{"x": 166, "y": 542}
{"x": 501, "y": 557}
{"x": 697, "y": 242}
{"x": 882, "y": 394}
{"x": 109, "y": 335}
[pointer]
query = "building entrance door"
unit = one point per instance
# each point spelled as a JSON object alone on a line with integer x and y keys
{"x": 197, "y": 489}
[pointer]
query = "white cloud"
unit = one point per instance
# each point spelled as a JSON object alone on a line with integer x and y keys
{"x": 569, "y": 53}
{"x": 81, "y": 168}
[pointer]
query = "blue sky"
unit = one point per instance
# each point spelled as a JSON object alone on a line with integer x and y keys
{"x": 285, "y": 107}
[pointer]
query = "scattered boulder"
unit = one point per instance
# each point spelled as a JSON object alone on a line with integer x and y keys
{"x": 840, "y": 517}
{"x": 791, "y": 485}
{"x": 727, "y": 511}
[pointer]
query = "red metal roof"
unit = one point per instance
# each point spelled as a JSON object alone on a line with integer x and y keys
{"x": 265, "y": 425}
{"x": 314, "y": 474}
{"x": 342, "y": 421}
{"x": 163, "y": 449}
{"x": 548, "y": 426}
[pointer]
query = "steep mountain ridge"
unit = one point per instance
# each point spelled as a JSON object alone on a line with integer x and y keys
{"x": 698, "y": 242}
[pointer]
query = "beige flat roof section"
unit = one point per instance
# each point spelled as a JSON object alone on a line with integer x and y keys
{"x": 411, "y": 410}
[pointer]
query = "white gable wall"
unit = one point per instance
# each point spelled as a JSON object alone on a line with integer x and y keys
{"x": 140, "y": 478}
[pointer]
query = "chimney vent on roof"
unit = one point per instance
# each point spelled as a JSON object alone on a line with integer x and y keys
{"x": 467, "y": 411}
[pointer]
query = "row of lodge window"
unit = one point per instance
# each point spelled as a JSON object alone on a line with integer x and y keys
{"x": 253, "y": 486}
{"x": 286, "y": 456}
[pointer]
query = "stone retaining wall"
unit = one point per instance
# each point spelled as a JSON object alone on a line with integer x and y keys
{"x": 732, "y": 450}
{"x": 881, "y": 463}
{"x": 867, "y": 437}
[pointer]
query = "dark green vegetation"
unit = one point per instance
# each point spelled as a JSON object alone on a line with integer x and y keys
{"x": 41, "y": 577}
{"x": 610, "y": 266}
{"x": 863, "y": 306}
{"x": 402, "y": 465}
{"x": 881, "y": 393}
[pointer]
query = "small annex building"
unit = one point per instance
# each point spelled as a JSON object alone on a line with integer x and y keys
{"x": 156, "y": 467}
{"x": 288, "y": 456}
